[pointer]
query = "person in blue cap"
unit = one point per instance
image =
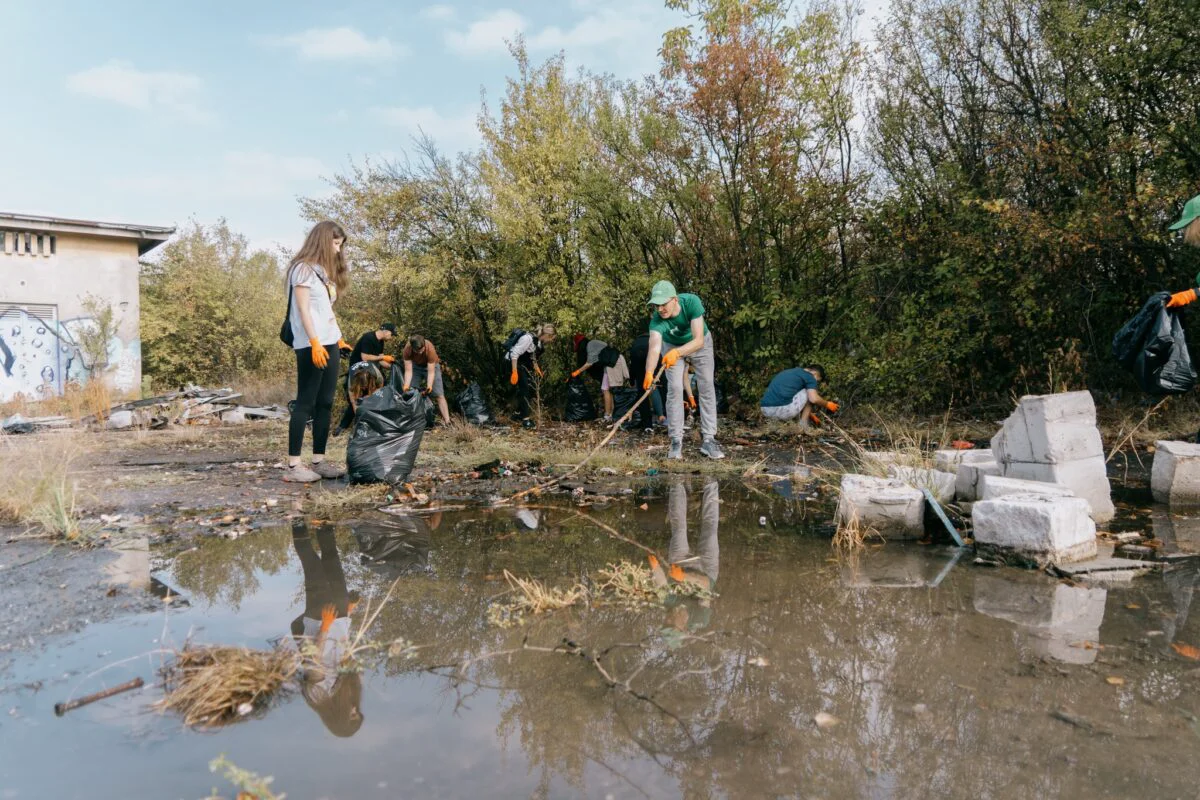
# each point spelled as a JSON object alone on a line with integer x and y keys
{"x": 678, "y": 321}
{"x": 1189, "y": 223}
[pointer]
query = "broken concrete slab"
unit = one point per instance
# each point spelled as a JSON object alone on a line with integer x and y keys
{"x": 1175, "y": 474}
{"x": 1059, "y": 619}
{"x": 1049, "y": 529}
{"x": 1087, "y": 479}
{"x": 940, "y": 484}
{"x": 235, "y": 416}
{"x": 994, "y": 486}
{"x": 886, "y": 505}
{"x": 969, "y": 480}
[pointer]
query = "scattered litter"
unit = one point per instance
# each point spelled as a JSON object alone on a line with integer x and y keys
{"x": 1113, "y": 680}
{"x": 758, "y": 661}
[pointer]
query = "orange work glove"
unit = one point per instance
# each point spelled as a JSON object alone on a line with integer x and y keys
{"x": 1181, "y": 298}
{"x": 389, "y": 360}
{"x": 343, "y": 346}
{"x": 647, "y": 382}
{"x": 538, "y": 370}
{"x": 691, "y": 403}
{"x": 671, "y": 358}
{"x": 320, "y": 355}
{"x": 575, "y": 374}
{"x": 814, "y": 420}
{"x": 832, "y": 407}
{"x": 404, "y": 388}
{"x": 513, "y": 378}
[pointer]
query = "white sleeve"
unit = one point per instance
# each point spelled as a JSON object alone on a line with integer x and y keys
{"x": 524, "y": 345}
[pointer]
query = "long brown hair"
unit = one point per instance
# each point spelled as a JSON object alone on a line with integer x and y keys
{"x": 1191, "y": 234}
{"x": 318, "y": 249}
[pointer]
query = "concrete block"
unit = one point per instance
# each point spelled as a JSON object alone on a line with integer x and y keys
{"x": 234, "y": 416}
{"x": 887, "y": 505}
{"x": 1087, "y": 479}
{"x": 1175, "y": 475}
{"x": 969, "y": 481}
{"x": 949, "y": 460}
{"x": 120, "y": 420}
{"x": 1054, "y": 529}
{"x": 940, "y": 484}
{"x": 1050, "y": 429}
{"x": 998, "y": 486}
{"x": 1054, "y": 616}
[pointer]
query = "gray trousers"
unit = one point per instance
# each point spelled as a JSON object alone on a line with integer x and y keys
{"x": 703, "y": 361}
{"x": 708, "y": 550}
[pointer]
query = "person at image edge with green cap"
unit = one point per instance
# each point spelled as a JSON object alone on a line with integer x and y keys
{"x": 1189, "y": 223}
{"x": 678, "y": 320}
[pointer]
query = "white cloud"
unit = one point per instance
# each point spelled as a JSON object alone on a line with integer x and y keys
{"x": 122, "y": 83}
{"x": 451, "y": 132}
{"x": 604, "y": 27}
{"x": 337, "y": 44}
{"x": 237, "y": 174}
{"x": 438, "y": 13}
{"x": 486, "y": 36}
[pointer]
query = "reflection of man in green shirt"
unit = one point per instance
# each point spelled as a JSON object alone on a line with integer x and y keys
{"x": 678, "y": 320}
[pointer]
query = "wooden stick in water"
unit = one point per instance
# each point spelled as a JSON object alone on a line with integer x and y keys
{"x": 71, "y": 705}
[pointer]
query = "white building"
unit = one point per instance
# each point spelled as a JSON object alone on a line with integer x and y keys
{"x": 58, "y": 279}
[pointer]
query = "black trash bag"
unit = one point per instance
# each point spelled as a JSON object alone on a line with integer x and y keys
{"x": 580, "y": 407}
{"x": 623, "y": 400}
{"x": 387, "y": 434}
{"x": 473, "y": 405}
{"x": 1153, "y": 346}
{"x": 431, "y": 415}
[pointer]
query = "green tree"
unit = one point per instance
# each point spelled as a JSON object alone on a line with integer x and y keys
{"x": 211, "y": 310}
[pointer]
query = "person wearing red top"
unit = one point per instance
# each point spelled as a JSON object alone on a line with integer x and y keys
{"x": 421, "y": 363}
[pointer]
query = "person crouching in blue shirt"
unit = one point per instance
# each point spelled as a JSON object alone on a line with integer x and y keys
{"x": 792, "y": 394}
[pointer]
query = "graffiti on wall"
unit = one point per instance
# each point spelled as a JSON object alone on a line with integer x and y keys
{"x": 39, "y": 355}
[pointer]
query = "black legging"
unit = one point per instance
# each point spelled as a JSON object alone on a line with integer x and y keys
{"x": 524, "y": 387}
{"x": 314, "y": 400}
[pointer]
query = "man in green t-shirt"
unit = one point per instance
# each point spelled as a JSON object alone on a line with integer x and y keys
{"x": 678, "y": 320}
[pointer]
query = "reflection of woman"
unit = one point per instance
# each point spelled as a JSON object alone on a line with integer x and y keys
{"x": 336, "y": 696}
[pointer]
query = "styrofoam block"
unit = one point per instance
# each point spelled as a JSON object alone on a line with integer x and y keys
{"x": 1051, "y": 429}
{"x": 948, "y": 460}
{"x": 1175, "y": 475}
{"x": 119, "y": 420}
{"x": 1057, "y": 616}
{"x": 994, "y": 486}
{"x": 1056, "y": 529}
{"x": 1068, "y": 407}
{"x": 1087, "y": 479}
{"x": 1060, "y": 442}
{"x": 884, "y": 504}
{"x": 970, "y": 477}
{"x": 940, "y": 484}
{"x": 1011, "y": 442}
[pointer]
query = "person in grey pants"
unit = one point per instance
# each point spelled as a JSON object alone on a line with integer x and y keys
{"x": 678, "y": 320}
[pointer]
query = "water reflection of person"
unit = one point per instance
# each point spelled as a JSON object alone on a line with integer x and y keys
{"x": 335, "y": 695}
{"x": 398, "y": 546}
{"x": 699, "y": 567}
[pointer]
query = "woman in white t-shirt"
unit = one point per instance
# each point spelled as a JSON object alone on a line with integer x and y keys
{"x": 315, "y": 276}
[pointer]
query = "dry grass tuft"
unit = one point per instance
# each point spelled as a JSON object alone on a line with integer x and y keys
{"x": 851, "y": 536}
{"x": 629, "y": 583}
{"x": 210, "y": 686}
{"x": 39, "y": 489}
{"x": 532, "y": 598}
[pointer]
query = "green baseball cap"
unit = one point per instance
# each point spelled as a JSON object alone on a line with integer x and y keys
{"x": 665, "y": 290}
{"x": 1191, "y": 210}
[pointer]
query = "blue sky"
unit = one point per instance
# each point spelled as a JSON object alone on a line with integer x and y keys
{"x": 158, "y": 113}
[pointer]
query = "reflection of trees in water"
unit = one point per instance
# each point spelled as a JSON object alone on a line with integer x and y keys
{"x": 224, "y": 570}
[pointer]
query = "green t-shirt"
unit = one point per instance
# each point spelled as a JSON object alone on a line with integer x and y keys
{"x": 678, "y": 329}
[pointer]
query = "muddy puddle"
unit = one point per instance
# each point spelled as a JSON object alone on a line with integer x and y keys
{"x": 908, "y": 673}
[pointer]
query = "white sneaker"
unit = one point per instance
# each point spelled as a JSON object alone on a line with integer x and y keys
{"x": 327, "y": 469}
{"x": 300, "y": 474}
